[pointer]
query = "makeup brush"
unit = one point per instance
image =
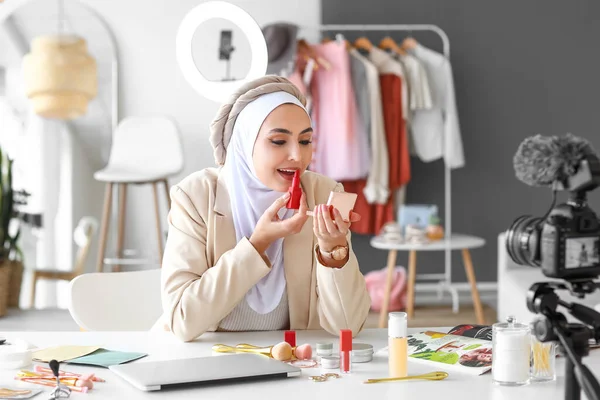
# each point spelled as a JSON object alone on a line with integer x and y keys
{"x": 281, "y": 351}
{"x": 302, "y": 352}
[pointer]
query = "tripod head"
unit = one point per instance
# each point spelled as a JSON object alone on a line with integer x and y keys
{"x": 573, "y": 337}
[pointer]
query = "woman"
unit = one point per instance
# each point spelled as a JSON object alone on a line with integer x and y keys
{"x": 236, "y": 259}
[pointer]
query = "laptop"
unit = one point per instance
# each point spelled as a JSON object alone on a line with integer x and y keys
{"x": 157, "y": 375}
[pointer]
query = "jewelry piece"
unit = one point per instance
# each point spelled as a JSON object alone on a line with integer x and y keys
{"x": 324, "y": 377}
{"x": 338, "y": 253}
{"x": 303, "y": 363}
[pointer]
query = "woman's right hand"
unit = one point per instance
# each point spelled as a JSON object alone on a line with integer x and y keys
{"x": 270, "y": 227}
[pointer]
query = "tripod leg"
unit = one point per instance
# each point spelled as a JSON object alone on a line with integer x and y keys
{"x": 572, "y": 389}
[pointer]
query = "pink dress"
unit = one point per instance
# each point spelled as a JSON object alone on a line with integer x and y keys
{"x": 342, "y": 151}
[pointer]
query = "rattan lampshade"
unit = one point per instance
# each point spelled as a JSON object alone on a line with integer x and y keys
{"x": 60, "y": 76}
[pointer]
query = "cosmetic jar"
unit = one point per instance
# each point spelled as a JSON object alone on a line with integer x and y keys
{"x": 324, "y": 349}
{"x": 362, "y": 353}
{"x": 330, "y": 362}
{"x": 511, "y": 343}
{"x": 15, "y": 354}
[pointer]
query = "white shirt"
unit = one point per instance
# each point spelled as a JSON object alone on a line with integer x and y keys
{"x": 418, "y": 82}
{"x": 376, "y": 189}
{"x": 430, "y": 128}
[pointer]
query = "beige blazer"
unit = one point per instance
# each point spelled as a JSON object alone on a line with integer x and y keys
{"x": 205, "y": 274}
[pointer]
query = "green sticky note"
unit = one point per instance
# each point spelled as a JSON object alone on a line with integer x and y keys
{"x": 106, "y": 358}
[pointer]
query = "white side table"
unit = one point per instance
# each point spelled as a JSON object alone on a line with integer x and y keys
{"x": 455, "y": 242}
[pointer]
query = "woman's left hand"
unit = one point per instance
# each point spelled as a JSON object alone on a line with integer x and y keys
{"x": 331, "y": 232}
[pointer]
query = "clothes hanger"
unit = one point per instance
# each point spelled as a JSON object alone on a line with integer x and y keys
{"x": 409, "y": 43}
{"x": 322, "y": 62}
{"x": 308, "y": 53}
{"x": 387, "y": 43}
{"x": 342, "y": 40}
{"x": 362, "y": 43}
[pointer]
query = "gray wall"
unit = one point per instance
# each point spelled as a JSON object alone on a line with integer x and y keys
{"x": 520, "y": 68}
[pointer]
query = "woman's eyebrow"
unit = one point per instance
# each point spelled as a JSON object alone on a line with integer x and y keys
{"x": 288, "y": 132}
{"x": 280, "y": 130}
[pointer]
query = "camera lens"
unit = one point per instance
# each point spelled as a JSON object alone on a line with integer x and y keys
{"x": 522, "y": 240}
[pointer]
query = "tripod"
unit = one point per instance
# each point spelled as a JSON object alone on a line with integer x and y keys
{"x": 573, "y": 337}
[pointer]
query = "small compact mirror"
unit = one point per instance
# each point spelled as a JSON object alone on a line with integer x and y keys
{"x": 221, "y": 51}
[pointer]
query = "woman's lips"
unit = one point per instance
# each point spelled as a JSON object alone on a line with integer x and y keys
{"x": 287, "y": 174}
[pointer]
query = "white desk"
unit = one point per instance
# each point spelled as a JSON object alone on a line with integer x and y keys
{"x": 161, "y": 346}
{"x": 456, "y": 241}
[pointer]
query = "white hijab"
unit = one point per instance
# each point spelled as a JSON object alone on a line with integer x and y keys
{"x": 250, "y": 198}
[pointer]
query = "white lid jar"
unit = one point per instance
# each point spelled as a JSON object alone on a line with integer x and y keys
{"x": 511, "y": 353}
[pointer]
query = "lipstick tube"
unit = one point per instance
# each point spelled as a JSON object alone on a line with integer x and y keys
{"x": 345, "y": 351}
{"x": 295, "y": 192}
{"x": 290, "y": 337}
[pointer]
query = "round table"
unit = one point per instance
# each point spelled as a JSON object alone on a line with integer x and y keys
{"x": 456, "y": 241}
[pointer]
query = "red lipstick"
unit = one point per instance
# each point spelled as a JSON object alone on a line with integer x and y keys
{"x": 295, "y": 192}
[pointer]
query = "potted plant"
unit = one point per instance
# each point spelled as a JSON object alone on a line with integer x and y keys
{"x": 11, "y": 257}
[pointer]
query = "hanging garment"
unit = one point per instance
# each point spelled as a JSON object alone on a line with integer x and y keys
{"x": 386, "y": 64}
{"x": 395, "y": 129}
{"x": 358, "y": 72}
{"x": 375, "y": 216}
{"x": 281, "y": 41}
{"x": 341, "y": 154}
{"x": 362, "y": 118}
{"x": 376, "y": 189}
{"x": 301, "y": 77}
{"x": 418, "y": 83}
{"x": 438, "y": 128}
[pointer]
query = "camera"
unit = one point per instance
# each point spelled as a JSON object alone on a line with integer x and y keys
{"x": 565, "y": 243}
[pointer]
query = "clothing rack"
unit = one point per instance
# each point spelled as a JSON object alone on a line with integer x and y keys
{"x": 446, "y": 277}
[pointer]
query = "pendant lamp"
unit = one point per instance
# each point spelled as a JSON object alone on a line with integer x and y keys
{"x": 60, "y": 76}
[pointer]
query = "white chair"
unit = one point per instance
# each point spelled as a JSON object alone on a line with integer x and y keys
{"x": 145, "y": 150}
{"x": 82, "y": 235}
{"x": 119, "y": 301}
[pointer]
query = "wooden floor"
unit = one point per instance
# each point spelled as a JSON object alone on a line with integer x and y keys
{"x": 427, "y": 316}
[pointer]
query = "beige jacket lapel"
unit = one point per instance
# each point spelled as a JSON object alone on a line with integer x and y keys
{"x": 224, "y": 230}
{"x": 297, "y": 253}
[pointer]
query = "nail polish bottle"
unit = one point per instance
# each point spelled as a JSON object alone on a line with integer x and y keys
{"x": 295, "y": 192}
{"x": 397, "y": 344}
{"x": 345, "y": 351}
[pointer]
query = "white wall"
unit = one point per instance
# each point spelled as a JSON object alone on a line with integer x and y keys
{"x": 150, "y": 83}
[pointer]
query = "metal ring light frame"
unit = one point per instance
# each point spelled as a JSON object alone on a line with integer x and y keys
{"x": 216, "y": 90}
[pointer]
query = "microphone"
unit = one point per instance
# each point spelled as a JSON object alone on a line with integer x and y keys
{"x": 544, "y": 160}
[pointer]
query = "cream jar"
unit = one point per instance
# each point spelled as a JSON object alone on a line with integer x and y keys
{"x": 324, "y": 349}
{"x": 362, "y": 352}
{"x": 330, "y": 362}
